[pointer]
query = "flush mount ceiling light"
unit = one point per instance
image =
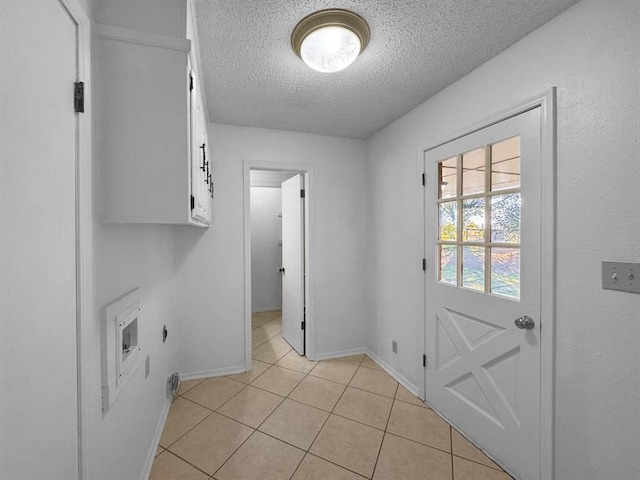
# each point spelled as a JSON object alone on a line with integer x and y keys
{"x": 330, "y": 40}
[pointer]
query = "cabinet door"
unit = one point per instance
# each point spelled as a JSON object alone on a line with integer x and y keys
{"x": 200, "y": 180}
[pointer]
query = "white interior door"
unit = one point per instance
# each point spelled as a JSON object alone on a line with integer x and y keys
{"x": 38, "y": 370}
{"x": 293, "y": 263}
{"x": 482, "y": 206}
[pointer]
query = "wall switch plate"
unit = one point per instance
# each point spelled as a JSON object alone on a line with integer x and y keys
{"x": 394, "y": 346}
{"x": 621, "y": 276}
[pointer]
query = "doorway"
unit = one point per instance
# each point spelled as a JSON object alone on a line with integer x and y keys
{"x": 489, "y": 258}
{"x": 277, "y": 206}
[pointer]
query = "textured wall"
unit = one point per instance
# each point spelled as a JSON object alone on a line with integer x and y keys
{"x": 211, "y": 262}
{"x": 591, "y": 54}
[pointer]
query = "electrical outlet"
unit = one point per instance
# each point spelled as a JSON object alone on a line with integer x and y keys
{"x": 394, "y": 346}
{"x": 147, "y": 366}
{"x": 621, "y": 276}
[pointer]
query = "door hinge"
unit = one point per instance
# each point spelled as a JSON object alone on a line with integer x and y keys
{"x": 302, "y": 193}
{"x": 424, "y": 361}
{"x": 190, "y": 82}
{"x": 193, "y": 202}
{"x": 78, "y": 97}
{"x": 302, "y": 325}
{"x": 424, "y": 264}
{"x": 424, "y": 179}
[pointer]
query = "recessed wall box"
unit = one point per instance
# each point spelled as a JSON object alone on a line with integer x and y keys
{"x": 120, "y": 345}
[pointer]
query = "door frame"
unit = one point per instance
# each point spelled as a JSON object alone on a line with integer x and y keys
{"x": 547, "y": 104}
{"x": 84, "y": 221}
{"x": 309, "y": 227}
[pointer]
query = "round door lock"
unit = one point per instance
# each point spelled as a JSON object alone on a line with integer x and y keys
{"x": 525, "y": 322}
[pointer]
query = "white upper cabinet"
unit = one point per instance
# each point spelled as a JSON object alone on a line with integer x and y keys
{"x": 154, "y": 161}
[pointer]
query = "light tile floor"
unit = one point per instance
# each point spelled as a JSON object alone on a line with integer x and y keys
{"x": 290, "y": 418}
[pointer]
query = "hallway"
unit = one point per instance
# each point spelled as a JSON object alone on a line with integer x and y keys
{"x": 290, "y": 418}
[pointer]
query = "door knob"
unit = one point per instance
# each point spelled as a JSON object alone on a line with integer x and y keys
{"x": 281, "y": 269}
{"x": 525, "y": 322}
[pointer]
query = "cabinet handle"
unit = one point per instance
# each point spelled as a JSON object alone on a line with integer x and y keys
{"x": 204, "y": 157}
{"x": 208, "y": 175}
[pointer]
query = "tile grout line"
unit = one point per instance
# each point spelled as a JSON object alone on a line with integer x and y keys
{"x": 211, "y": 412}
{"x": 451, "y": 447}
{"x": 256, "y": 429}
{"x": 308, "y": 451}
{"x": 384, "y": 434}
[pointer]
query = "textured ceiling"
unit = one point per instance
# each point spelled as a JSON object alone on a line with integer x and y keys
{"x": 417, "y": 48}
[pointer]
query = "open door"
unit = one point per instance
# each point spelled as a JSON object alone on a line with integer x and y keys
{"x": 292, "y": 270}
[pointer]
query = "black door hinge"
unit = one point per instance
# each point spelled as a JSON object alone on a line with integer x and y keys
{"x": 301, "y": 193}
{"x": 424, "y": 361}
{"x": 424, "y": 264}
{"x": 424, "y": 179}
{"x": 193, "y": 202}
{"x": 190, "y": 82}
{"x": 302, "y": 325}
{"x": 78, "y": 97}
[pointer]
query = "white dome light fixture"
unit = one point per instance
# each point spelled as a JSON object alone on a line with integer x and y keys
{"x": 330, "y": 40}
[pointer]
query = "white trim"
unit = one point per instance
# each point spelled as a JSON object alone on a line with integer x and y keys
{"x": 153, "y": 448}
{"x": 267, "y": 309}
{"x": 84, "y": 222}
{"x": 120, "y": 34}
{"x": 307, "y": 170}
{"x": 338, "y": 354}
{"x": 547, "y": 103}
{"x": 265, "y": 184}
{"x": 216, "y": 372}
{"x": 402, "y": 380}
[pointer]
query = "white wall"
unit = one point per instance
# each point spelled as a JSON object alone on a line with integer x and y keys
{"x": 210, "y": 282}
{"x": 266, "y": 252}
{"x": 591, "y": 54}
{"x": 126, "y": 257}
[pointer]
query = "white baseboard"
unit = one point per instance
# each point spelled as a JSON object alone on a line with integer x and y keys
{"x": 153, "y": 448}
{"x": 338, "y": 354}
{"x": 151, "y": 455}
{"x": 216, "y": 372}
{"x": 385, "y": 366}
{"x": 394, "y": 373}
{"x": 266, "y": 309}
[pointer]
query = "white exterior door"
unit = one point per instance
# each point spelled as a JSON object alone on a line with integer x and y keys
{"x": 38, "y": 369}
{"x": 293, "y": 263}
{"x": 483, "y": 235}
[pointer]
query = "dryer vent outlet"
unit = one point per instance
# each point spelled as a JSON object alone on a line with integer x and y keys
{"x": 173, "y": 383}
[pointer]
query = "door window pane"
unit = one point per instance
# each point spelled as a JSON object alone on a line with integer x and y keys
{"x": 473, "y": 220}
{"x": 448, "y": 213}
{"x": 449, "y": 264}
{"x": 505, "y": 272}
{"x": 447, "y": 175}
{"x": 473, "y": 267}
{"x": 473, "y": 172}
{"x": 505, "y": 218}
{"x": 505, "y": 164}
